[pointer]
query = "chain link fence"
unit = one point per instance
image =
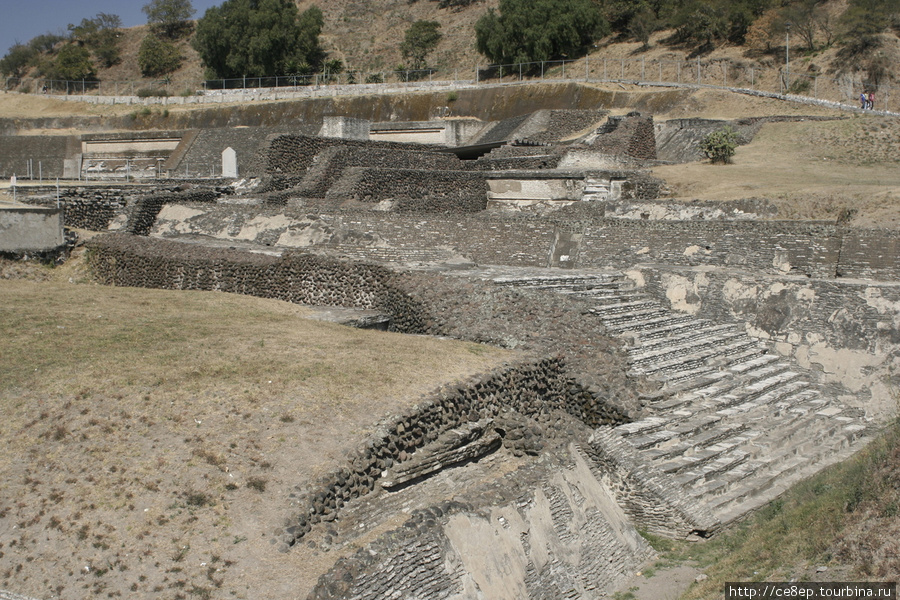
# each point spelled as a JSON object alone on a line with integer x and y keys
{"x": 716, "y": 73}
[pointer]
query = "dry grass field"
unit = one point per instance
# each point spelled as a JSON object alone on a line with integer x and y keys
{"x": 809, "y": 170}
{"x": 151, "y": 438}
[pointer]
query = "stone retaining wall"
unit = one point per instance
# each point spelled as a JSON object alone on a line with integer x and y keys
{"x": 141, "y": 213}
{"x": 632, "y": 135}
{"x": 294, "y": 154}
{"x": 413, "y": 190}
{"x": 533, "y": 389}
{"x": 330, "y": 164}
{"x": 47, "y": 155}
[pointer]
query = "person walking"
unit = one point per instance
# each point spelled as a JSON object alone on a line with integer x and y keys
{"x": 871, "y": 100}
{"x": 863, "y": 101}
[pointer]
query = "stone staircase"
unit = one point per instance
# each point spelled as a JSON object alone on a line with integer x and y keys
{"x": 733, "y": 425}
{"x": 596, "y": 189}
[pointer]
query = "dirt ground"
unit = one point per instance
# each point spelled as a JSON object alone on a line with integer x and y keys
{"x": 151, "y": 438}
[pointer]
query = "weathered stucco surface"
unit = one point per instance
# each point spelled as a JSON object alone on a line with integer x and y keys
{"x": 846, "y": 331}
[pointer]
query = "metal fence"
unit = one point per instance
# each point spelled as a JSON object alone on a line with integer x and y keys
{"x": 720, "y": 73}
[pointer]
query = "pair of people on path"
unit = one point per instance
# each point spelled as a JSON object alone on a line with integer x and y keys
{"x": 867, "y": 102}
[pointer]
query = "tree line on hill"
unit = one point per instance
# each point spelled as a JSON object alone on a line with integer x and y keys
{"x": 258, "y": 38}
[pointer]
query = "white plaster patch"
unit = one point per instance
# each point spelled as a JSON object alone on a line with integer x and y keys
{"x": 678, "y": 289}
{"x": 637, "y": 277}
{"x": 173, "y": 218}
{"x": 844, "y": 365}
{"x": 253, "y": 228}
{"x": 691, "y": 250}
{"x": 756, "y": 332}
{"x": 734, "y": 290}
{"x": 644, "y": 250}
{"x": 784, "y": 348}
{"x": 883, "y": 305}
{"x": 814, "y": 338}
{"x": 774, "y": 289}
{"x": 781, "y": 261}
{"x": 119, "y": 222}
{"x": 303, "y": 237}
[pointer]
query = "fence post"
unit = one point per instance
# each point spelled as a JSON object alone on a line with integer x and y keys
{"x": 564, "y": 69}
{"x": 660, "y": 70}
{"x": 699, "y": 79}
{"x": 542, "y": 70}
{"x": 622, "y": 76}
{"x": 587, "y": 69}
{"x": 724, "y": 74}
{"x": 604, "y": 70}
{"x": 752, "y": 82}
{"x": 643, "y": 65}
{"x": 678, "y": 69}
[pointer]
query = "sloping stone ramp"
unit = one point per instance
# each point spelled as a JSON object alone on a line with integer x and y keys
{"x": 733, "y": 426}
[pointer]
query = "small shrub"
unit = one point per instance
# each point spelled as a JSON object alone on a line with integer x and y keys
{"x": 719, "y": 146}
{"x": 452, "y": 97}
{"x": 152, "y": 93}
{"x": 198, "y": 499}
{"x": 256, "y": 483}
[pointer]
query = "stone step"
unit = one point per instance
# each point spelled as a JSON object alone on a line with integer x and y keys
{"x": 658, "y": 335}
{"x": 728, "y": 381}
{"x": 638, "y": 324}
{"x": 557, "y": 281}
{"x": 602, "y": 292}
{"x": 671, "y": 449}
{"x": 768, "y": 479}
{"x": 682, "y": 332}
{"x": 630, "y": 317}
{"x": 643, "y": 426}
{"x": 762, "y": 393}
{"x": 698, "y": 358}
{"x": 674, "y": 425}
{"x": 769, "y": 450}
{"x": 714, "y": 461}
{"x": 604, "y": 311}
{"x": 685, "y": 344}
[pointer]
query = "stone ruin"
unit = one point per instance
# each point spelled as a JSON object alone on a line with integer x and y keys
{"x": 688, "y": 364}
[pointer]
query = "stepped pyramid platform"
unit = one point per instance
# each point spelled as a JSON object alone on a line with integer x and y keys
{"x": 733, "y": 425}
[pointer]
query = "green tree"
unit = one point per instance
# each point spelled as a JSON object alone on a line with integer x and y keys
{"x": 157, "y": 57}
{"x": 45, "y": 42}
{"x": 73, "y": 62}
{"x": 720, "y": 145}
{"x": 421, "y": 38}
{"x": 101, "y": 35}
{"x": 258, "y": 38}
{"x": 535, "y": 30}
{"x": 17, "y": 60}
{"x": 169, "y": 18}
